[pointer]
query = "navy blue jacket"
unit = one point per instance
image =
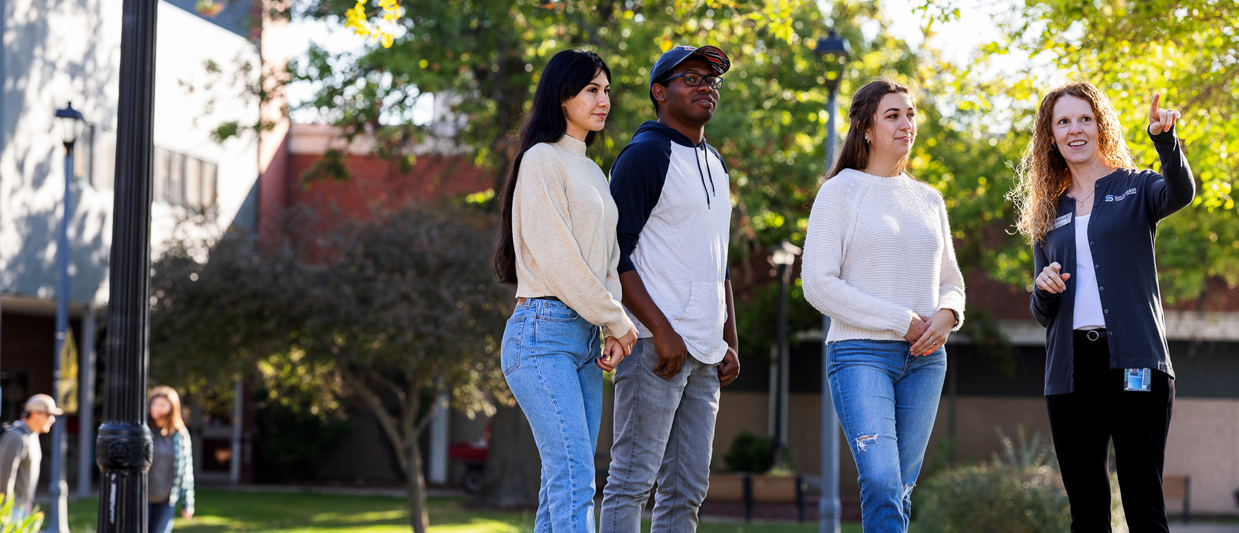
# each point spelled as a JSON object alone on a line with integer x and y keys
{"x": 1127, "y": 207}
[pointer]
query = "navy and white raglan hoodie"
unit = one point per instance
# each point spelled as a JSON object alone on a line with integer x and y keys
{"x": 674, "y": 203}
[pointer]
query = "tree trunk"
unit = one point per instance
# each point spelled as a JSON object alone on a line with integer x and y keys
{"x": 417, "y": 488}
{"x": 513, "y": 469}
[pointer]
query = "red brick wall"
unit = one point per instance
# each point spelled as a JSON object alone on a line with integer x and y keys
{"x": 376, "y": 184}
{"x": 273, "y": 191}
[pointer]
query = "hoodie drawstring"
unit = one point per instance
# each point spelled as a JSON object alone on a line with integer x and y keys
{"x": 703, "y": 176}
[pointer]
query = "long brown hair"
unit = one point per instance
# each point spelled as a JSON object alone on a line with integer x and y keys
{"x": 171, "y": 423}
{"x": 855, "y": 152}
{"x": 1043, "y": 177}
{"x": 567, "y": 74}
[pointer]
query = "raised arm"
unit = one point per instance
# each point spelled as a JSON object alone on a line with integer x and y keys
{"x": 1176, "y": 187}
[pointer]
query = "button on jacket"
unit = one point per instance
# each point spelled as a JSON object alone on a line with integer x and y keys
{"x": 1127, "y": 206}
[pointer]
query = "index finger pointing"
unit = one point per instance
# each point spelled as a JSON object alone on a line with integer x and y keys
{"x": 1157, "y": 98}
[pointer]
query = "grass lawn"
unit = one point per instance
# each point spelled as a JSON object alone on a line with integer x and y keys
{"x": 224, "y": 511}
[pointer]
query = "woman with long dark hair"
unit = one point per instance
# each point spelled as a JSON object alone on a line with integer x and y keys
{"x": 1091, "y": 219}
{"x": 557, "y": 244}
{"x": 172, "y": 464}
{"x": 878, "y": 259}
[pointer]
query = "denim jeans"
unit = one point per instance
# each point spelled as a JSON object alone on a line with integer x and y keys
{"x": 664, "y": 430}
{"x": 886, "y": 400}
{"x": 548, "y": 361}
{"x": 159, "y": 517}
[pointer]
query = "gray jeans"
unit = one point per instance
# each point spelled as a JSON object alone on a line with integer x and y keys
{"x": 664, "y": 430}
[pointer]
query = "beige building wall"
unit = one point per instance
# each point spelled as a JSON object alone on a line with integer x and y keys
{"x": 1203, "y": 443}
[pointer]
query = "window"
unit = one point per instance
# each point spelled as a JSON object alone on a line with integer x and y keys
{"x": 183, "y": 180}
{"x": 159, "y": 176}
{"x": 83, "y": 153}
{"x": 176, "y": 178}
{"x": 103, "y": 159}
{"x": 209, "y": 177}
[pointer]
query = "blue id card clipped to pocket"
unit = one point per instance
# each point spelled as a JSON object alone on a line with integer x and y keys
{"x": 1136, "y": 379}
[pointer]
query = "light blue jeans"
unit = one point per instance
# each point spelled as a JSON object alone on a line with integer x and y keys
{"x": 664, "y": 430}
{"x": 548, "y": 361}
{"x": 886, "y": 400}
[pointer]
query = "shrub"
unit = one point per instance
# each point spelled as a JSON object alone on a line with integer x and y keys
{"x": 998, "y": 499}
{"x": 1019, "y": 491}
{"x": 750, "y": 453}
{"x": 31, "y": 524}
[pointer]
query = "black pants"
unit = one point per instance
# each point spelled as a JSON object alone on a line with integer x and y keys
{"x": 1084, "y": 421}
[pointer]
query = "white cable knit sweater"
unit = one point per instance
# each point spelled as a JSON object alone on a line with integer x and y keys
{"x": 878, "y": 252}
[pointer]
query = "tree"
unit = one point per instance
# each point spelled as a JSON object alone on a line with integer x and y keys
{"x": 1186, "y": 50}
{"x": 385, "y": 314}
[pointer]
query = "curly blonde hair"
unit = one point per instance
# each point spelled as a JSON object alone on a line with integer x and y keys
{"x": 1042, "y": 177}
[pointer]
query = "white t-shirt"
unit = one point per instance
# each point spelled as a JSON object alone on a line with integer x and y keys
{"x": 1088, "y": 313}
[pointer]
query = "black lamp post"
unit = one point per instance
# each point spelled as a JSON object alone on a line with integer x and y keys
{"x": 70, "y": 124}
{"x": 782, "y": 258}
{"x": 834, "y": 51}
{"x": 123, "y": 447}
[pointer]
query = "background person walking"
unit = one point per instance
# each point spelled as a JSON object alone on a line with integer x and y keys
{"x": 171, "y": 477}
{"x": 20, "y": 454}
{"x": 879, "y": 261}
{"x": 1092, "y": 221}
{"x": 557, "y": 243}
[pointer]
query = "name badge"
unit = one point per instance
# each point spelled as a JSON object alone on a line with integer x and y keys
{"x": 1136, "y": 379}
{"x": 1061, "y": 221}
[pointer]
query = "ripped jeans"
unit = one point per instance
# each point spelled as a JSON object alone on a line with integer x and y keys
{"x": 886, "y": 400}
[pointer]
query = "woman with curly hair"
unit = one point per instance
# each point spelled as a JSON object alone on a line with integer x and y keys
{"x": 1091, "y": 219}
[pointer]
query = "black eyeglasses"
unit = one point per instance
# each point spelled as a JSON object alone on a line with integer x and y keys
{"x": 692, "y": 79}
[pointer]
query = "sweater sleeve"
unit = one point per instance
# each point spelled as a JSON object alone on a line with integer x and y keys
{"x": 1043, "y": 304}
{"x": 822, "y": 265}
{"x": 637, "y": 180}
{"x": 546, "y": 225}
{"x": 951, "y": 294}
{"x": 1175, "y": 188}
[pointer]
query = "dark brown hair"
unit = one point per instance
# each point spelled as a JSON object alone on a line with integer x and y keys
{"x": 855, "y": 152}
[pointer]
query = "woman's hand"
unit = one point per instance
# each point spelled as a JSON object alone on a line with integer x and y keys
{"x": 937, "y": 329}
{"x": 616, "y": 350}
{"x": 1161, "y": 120}
{"x": 915, "y": 329}
{"x": 1049, "y": 280}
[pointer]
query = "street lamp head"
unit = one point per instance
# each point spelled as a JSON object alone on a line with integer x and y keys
{"x": 833, "y": 47}
{"x": 835, "y": 50}
{"x": 70, "y": 120}
{"x": 784, "y": 254}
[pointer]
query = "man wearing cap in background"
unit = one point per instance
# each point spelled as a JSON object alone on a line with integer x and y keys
{"x": 20, "y": 453}
{"x": 674, "y": 201}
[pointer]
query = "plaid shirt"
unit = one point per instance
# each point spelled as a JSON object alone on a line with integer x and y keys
{"x": 183, "y": 482}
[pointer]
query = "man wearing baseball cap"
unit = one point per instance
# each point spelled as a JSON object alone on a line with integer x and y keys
{"x": 674, "y": 201}
{"x": 20, "y": 453}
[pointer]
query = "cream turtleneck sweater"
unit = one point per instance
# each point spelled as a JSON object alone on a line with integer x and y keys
{"x": 563, "y": 229}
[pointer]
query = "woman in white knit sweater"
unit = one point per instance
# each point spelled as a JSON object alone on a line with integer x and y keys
{"x": 878, "y": 260}
{"x": 557, "y": 243}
